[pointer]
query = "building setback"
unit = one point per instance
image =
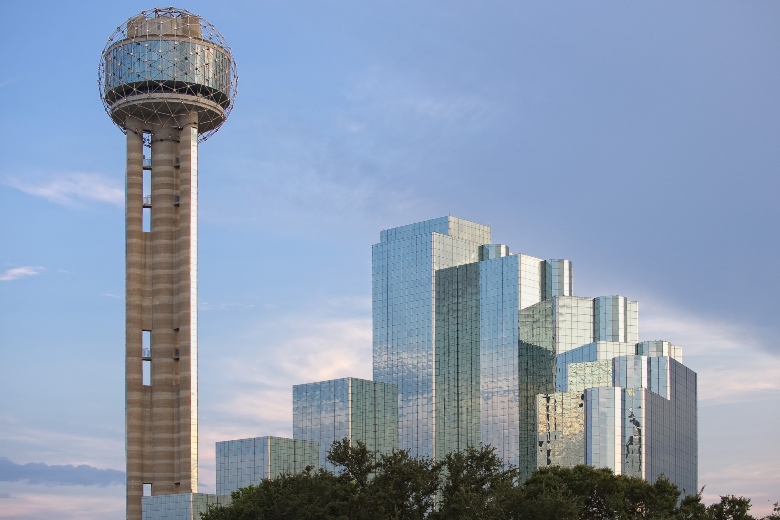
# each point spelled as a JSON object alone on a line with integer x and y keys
{"x": 635, "y": 414}
{"x": 501, "y": 335}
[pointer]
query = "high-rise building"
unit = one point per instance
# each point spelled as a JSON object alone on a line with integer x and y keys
{"x": 630, "y": 408}
{"x": 355, "y": 409}
{"x": 243, "y": 462}
{"x": 485, "y": 344}
{"x": 404, "y": 265}
{"x": 168, "y": 80}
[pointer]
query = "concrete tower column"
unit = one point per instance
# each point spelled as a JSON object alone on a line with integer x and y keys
{"x": 164, "y": 139}
{"x": 178, "y": 104}
{"x": 134, "y": 296}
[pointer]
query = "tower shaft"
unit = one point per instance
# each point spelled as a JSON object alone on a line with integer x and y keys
{"x": 161, "y": 312}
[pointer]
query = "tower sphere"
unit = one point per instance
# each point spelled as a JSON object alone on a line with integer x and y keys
{"x": 164, "y": 65}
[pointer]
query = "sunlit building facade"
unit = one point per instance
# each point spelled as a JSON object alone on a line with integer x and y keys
{"x": 356, "y": 409}
{"x": 483, "y": 344}
{"x": 630, "y": 408}
{"x": 243, "y": 462}
{"x": 404, "y": 265}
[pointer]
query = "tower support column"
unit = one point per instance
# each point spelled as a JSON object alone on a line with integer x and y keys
{"x": 164, "y": 139}
{"x": 134, "y": 300}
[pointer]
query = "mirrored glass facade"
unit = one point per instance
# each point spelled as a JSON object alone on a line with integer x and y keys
{"x": 457, "y": 347}
{"x": 478, "y": 338}
{"x": 180, "y": 506}
{"x": 642, "y": 421}
{"x": 243, "y": 462}
{"x": 404, "y": 265}
{"x": 156, "y": 65}
{"x": 507, "y": 285}
{"x": 349, "y": 408}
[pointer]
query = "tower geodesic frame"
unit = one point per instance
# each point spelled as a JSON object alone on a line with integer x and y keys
{"x": 168, "y": 79}
{"x": 167, "y": 62}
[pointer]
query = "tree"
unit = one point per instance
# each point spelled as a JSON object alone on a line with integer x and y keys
{"x": 305, "y": 496}
{"x": 467, "y": 484}
{"x": 357, "y": 464}
{"x": 404, "y": 487}
{"x": 357, "y": 461}
{"x": 730, "y": 507}
{"x": 474, "y": 484}
{"x": 546, "y": 496}
{"x": 583, "y": 492}
{"x": 692, "y": 508}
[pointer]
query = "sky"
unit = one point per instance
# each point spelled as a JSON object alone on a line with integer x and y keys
{"x": 639, "y": 140}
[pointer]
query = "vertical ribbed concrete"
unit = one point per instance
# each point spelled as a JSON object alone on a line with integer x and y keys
{"x": 162, "y": 266}
{"x": 161, "y": 419}
{"x": 134, "y": 293}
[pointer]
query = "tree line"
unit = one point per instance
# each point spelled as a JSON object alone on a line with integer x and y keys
{"x": 469, "y": 484}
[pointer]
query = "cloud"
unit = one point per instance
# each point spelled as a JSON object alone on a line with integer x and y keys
{"x": 6, "y": 82}
{"x": 37, "y": 502}
{"x": 206, "y": 306}
{"x": 253, "y": 378}
{"x": 58, "y": 475}
{"x": 24, "y": 271}
{"x": 375, "y": 159}
{"x": 58, "y": 447}
{"x": 71, "y": 189}
{"x": 730, "y": 359}
{"x": 395, "y": 100}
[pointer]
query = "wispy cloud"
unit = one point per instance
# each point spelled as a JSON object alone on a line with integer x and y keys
{"x": 58, "y": 447}
{"x": 257, "y": 372}
{"x": 24, "y": 271}
{"x": 730, "y": 359}
{"x": 72, "y": 189}
{"x": 58, "y": 475}
{"x": 399, "y": 98}
{"x": 38, "y": 502}
{"x": 371, "y": 163}
{"x": 11, "y": 81}
{"x": 223, "y": 306}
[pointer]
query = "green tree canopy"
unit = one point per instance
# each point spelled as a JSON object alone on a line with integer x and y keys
{"x": 469, "y": 484}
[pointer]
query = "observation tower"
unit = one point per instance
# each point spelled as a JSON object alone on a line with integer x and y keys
{"x": 168, "y": 79}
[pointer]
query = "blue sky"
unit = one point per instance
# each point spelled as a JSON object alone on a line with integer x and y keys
{"x": 639, "y": 140}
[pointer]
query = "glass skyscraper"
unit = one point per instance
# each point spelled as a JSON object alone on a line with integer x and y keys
{"x": 243, "y": 462}
{"x": 630, "y": 408}
{"x": 404, "y": 265}
{"x": 483, "y": 344}
{"x": 349, "y": 408}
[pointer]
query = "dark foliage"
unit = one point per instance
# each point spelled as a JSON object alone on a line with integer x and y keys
{"x": 471, "y": 484}
{"x": 474, "y": 484}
